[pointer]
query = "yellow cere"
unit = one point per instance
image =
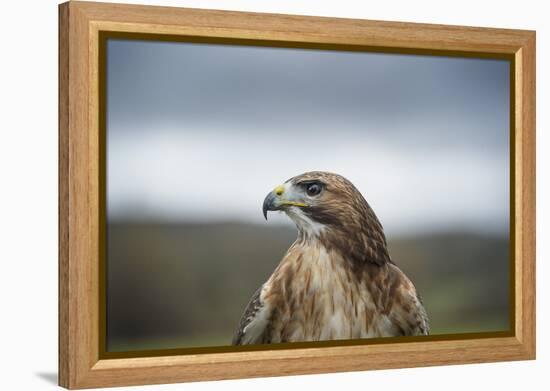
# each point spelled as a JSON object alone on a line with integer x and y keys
{"x": 279, "y": 190}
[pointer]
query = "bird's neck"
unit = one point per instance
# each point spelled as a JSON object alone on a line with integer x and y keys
{"x": 358, "y": 245}
{"x": 361, "y": 240}
{"x": 308, "y": 229}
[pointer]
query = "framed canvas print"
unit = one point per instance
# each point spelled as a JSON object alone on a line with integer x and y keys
{"x": 248, "y": 195}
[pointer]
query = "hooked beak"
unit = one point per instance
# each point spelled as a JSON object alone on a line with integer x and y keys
{"x": 269, "y": 203}
{"x": 279, "y": 199}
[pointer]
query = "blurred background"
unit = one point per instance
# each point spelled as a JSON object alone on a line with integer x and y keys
{"x": 197, "y": 134}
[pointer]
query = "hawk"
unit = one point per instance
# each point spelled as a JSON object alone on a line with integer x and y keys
{"x": 337, "y": 280}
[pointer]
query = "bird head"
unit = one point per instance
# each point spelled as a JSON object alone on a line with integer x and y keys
{"x": 315, "y": 200}
{"x": 329, "y": 207}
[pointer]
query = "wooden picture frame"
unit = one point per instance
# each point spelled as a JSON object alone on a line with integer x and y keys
{"x": 82, "y": 27}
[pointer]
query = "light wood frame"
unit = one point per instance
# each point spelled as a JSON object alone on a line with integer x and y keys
{"x": 81, "y": 161}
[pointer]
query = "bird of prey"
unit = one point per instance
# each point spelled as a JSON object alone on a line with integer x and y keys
{"x": 337, "y": 280}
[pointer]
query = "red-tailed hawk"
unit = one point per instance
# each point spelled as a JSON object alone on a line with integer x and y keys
{"x": 337, "y": 280}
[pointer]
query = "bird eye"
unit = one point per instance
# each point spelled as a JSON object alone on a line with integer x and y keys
{"x": 313, "y": 189}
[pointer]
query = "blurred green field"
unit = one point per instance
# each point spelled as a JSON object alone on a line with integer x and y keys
{"x": 186, "y": 285}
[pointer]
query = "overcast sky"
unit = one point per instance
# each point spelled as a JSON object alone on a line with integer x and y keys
{"x": 203, "y": 132}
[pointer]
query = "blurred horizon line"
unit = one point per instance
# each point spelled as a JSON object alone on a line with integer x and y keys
{"x": 429, "y": 230}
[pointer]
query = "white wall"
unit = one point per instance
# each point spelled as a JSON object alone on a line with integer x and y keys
{"x": 28, "y": 200}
